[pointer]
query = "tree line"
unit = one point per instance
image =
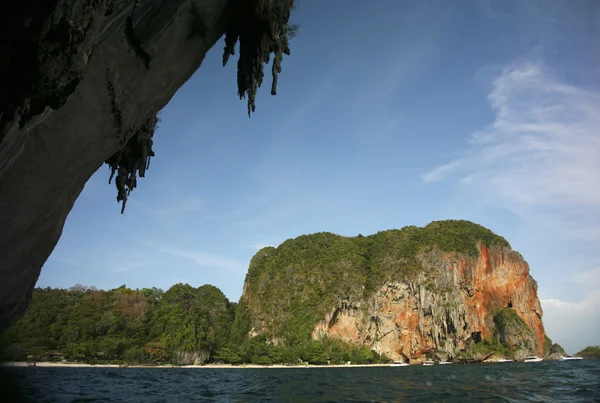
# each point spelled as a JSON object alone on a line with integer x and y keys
{"x": 152, "y": 326}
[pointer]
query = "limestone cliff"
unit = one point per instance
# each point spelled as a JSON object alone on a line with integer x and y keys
{"x": 454, "y": 300}
{"x": 375, "y": 294}
{"x": 82, "y": 82}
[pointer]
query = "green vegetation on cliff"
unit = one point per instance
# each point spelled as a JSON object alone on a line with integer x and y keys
{"x": 511, "y": 333}
{"x": 489, "y": 345}
{"x": 547, "y": 345}
{"x": 297, "y": 284}
{"x": 507, "y": 320}
{"x": 590, "y": 352}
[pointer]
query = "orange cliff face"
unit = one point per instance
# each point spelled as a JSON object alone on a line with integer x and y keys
{"x": 501, "y": 278}
{"x": 451, "y": 301}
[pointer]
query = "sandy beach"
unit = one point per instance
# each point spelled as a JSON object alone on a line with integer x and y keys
{"x": 79, "y": 365}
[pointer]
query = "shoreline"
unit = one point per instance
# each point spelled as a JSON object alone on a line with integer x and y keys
{"x": 21, "y": 364}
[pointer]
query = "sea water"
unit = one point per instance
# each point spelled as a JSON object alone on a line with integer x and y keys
{"x": 548, "y": 381}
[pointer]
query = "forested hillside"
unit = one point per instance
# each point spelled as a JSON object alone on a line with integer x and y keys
{"x": 146, "y": 325}
{"x": 183, "y": 325}
{"x": 590, "y": 352}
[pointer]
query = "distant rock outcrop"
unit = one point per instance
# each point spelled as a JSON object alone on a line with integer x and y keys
{"x": 552, "y": 351}
{"x": 590, "y": 352}
{"x": 408, "y": 294}
{"x": 556, "y": 352}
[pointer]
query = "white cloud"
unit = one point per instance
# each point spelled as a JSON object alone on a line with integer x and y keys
{"x": 204, "y": 259}
{"x": 540, "y": 156}
{"x": 561, "y": 318}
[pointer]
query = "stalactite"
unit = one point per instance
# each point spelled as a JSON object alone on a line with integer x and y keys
{"x": 132, "y": 160}
{"x": 262, "y": 28}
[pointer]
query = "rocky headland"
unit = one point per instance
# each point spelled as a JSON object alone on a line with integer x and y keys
{"x": 408, "y": 294}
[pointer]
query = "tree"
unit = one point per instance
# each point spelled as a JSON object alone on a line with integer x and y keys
{"x": 228, "y": 355}
{"x": 134, "y": 355}
{"x": 192, "y": 319}
{"x": 362, "y": 355}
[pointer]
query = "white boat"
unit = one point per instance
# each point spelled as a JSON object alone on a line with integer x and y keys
{"x": 504, "y": 360}
{"x": 428, "y": 363}
{"x": 399, "y": 364}
{"x": 570, "y": 358}
{"x": 444, "y": 362}
{"x": 533, "y": 358}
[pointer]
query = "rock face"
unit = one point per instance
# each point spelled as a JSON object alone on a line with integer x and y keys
{"x": 82, "y": 86}
{"x": 556, "y": 352}
{"x": 82, "y": 82}
{"x": 191, "y": 357}
{"x": 452, "y": 300}
{"x": 444, "y": 308}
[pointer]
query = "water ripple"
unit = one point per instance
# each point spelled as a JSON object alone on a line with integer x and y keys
{"x": 540, "y": 382}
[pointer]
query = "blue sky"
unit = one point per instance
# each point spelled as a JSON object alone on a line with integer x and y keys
{"x": 389, "y": 113}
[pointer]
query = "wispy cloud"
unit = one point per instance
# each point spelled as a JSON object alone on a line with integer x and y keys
{"x": 539, "y": 158}
{"x": 585, "y": 307}
{"x": 440, "y": 172}
{"x": 407, "y": 58}
{"x": 204, "y": 259}
{"x": 562, "y": 317}
{"x": 114, "y": 260}
{"x": 590, "y": 277}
